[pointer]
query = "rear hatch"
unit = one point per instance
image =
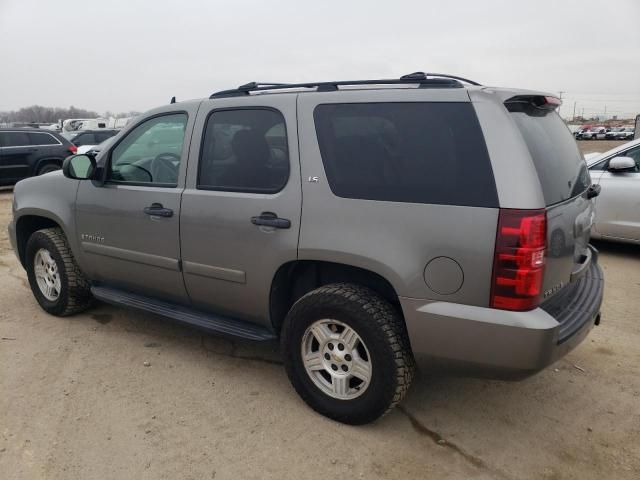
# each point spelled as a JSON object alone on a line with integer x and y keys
{"x": 564, "y": 180}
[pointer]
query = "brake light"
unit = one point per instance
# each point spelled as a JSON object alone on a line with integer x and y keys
{"x": 553, "y": 101}
{"x": 73, "y": 149}
{"x": 519, "y": 259}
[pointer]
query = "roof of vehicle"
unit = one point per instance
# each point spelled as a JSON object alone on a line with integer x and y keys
{"x": 411, "y": 81}
{"x": 595, "y": 159}
{"x": 96, "y": 130}
{"x": 26, "y": 129}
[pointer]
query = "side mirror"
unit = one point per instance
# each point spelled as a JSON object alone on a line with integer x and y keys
{"x": 80, "y": 167}
{"x": 622, "y": 164}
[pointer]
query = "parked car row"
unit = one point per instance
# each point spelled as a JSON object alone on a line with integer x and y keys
{"x": 605, "y": 133}
{"x": 27, "y": 152}
{"x": 620, "y": 133}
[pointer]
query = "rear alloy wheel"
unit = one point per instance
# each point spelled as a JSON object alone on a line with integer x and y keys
{"x": 336, "y": 359}
{"x": 346, "y": 352}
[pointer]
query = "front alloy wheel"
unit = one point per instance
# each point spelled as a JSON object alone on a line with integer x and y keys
{"x": 56, "y": 281}
{"x": 47, "y": 277}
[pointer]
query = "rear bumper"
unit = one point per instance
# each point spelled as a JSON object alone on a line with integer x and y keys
{"x": 495, "y": 343}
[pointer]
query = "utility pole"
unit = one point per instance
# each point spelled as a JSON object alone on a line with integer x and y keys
{"x": 574, "y": 111}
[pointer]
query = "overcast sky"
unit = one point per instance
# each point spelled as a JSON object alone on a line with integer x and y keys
{"x": 133, "y": 55}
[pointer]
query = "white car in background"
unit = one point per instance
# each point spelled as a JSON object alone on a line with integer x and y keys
{"x": 594, "y": 133}
{"x": 94, "y": 149}
{"x": 617, "y": 209}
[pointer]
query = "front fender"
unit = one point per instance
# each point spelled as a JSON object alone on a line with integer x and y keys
{"x": 50, "y": 197}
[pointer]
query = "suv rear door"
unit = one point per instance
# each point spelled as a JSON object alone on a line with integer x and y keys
{"x": 564, "y": 179}
{"x": 14, "y": 157}
{"x": 243, "y": 165}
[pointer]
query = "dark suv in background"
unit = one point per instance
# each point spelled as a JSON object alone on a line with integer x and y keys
{"x": 25, "y": 152}
{"x": 90, "y": 137}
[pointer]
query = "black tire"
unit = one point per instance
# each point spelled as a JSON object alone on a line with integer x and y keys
{"x": 382, "y": 330}
{"x": 75, "y": 294}
{"x": 48, "y": 167}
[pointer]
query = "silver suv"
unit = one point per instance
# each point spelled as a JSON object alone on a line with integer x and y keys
{"x": 367, "y": 225}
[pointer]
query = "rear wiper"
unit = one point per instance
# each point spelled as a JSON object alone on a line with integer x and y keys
{"x": 593, "y": 191}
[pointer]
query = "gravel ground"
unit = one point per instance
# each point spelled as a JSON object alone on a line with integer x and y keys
{"x": 78, "y": 402}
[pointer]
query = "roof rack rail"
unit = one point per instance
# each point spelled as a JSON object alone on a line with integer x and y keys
{"x": 437, "y": 80}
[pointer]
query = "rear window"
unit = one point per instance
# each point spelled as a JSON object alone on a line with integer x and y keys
{"x": 561, "y": 168}
{"x": 406, "y": 152}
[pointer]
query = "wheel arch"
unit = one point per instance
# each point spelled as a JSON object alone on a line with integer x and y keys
{"x": 298, "y": 277}
{"x": 44, "y": 161}
{"x": 26, "y": 225}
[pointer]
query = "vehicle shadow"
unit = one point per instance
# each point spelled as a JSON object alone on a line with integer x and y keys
{"x": 616, "y": 248}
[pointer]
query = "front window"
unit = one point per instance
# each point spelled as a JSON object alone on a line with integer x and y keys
{"x": 151, "y": 153}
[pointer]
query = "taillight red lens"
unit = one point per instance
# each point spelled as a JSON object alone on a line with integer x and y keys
{"x": 519, "y": 259}
{"x": 73, "y": 149}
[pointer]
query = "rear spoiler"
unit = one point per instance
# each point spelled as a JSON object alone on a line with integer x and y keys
{"x": 534, "y": 105}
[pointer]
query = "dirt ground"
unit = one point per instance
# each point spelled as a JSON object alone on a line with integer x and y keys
{"x": 78, "y": 402}
{"x": 600, "y": 146}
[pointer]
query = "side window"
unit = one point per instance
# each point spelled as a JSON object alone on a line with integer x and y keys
{"x": 42, "y": 139}
{"x": 15, "y": 139}
{"x": 150, "y": 153}
{"x": 600, "y": 166}
{"x": 244, "y": 151}
{"x": 84, "y": 139}
{"x": 406, "y": 152}
{"x": 102, "y": 136}
{"x": 635, "y": 154}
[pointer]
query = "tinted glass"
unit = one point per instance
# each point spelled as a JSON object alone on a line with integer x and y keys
{"x": 635, "y": 154}
{"x": 561, "y": 168}
{"x": 244, "y": 151}
{"x": 42, "y": 139}
{"x": 102, "y": 136}
{"x": 84, "y": 139}
{"x": 14, "y": 139}
{"x": 151, "y": 152}
{"x": 406, "y": 152}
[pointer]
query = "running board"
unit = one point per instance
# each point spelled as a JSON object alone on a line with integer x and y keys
{"x": 206, "y": 321}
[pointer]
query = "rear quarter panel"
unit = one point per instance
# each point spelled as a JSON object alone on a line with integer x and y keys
{"x": 395, "y": 240}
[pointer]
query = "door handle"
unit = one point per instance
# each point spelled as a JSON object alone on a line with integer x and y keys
{"x": 270, "y": 219}
{"x": 157, "y": 210}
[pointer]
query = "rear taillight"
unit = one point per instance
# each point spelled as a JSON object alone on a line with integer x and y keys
{"x": 518, "y": 263}
{"x": 73, "y": 149}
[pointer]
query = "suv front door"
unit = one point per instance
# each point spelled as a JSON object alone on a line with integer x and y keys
{"x": 241, "y": 209}
{"x": 128, "y": 227}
